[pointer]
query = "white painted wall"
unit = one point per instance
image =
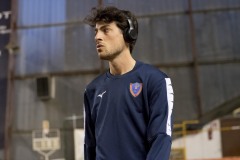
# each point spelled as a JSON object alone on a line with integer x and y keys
{"x": 78, "y": 144}
{"x": 199, "y": 145}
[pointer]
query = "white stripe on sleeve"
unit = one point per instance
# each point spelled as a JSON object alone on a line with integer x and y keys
{"x": 170, "y": 98}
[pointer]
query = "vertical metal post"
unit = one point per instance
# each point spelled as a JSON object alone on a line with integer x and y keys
{"x": 184, "y": 132}
{"x": 195, "y": 59}
{"x": 10, "y": 84}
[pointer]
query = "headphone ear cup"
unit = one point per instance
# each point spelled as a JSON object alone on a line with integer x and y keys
{"x": 130, "y": 33}
{"x": 126, "y": 36}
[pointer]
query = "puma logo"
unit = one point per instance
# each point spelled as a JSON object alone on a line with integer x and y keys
{"x": 101, "y": 95}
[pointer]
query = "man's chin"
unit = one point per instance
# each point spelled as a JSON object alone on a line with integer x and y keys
{"x": 101, "y": 55}
{"x": 104, "y": 56}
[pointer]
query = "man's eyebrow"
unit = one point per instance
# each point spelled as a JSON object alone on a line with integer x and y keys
{"x": 102, "y": 27}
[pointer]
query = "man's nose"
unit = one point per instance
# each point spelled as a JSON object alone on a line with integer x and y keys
{"x": 98, "y": 36}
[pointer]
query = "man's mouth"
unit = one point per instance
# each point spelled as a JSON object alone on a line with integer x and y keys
{"x": 98, "y": 46}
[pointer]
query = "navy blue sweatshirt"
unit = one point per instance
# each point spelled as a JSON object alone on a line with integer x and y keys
{"x": 129, "y": 116}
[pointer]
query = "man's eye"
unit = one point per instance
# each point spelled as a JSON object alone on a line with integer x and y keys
{"x": 105, "y": 30}
{"x": 95, "y": 32}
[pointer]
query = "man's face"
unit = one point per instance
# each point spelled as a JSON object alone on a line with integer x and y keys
{"x": 109, "y": 40}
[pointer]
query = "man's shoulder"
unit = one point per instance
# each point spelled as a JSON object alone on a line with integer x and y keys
{"x": 152, "y": 71}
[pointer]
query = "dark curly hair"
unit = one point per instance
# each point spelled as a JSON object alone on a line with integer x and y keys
{"x": 112, "y": 14}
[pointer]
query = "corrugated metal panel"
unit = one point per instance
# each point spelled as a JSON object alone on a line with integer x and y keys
{"x": 218, "y": 35}
{"x": 158, "y": 35}
{"x": 219, "y": 83}
{"x": 67, "y": 102}
{"x": 149, "y": 7}
{"x": 80, "y": 50}
{"x": 56, "y": 49}
{"x": 30, "y": 111}
{"x": 41, "y": 12}
{"x": 185, "y": 102}
{"x": 77, "y": 10}
{"x": 42, "y": 50}
{"x": 214, "y": 4}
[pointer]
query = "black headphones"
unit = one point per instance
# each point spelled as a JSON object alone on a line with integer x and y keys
{"x": 130, "y": 33}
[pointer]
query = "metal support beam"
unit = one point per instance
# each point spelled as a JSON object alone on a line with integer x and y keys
{"x": 96, "y": 71}
{"x": 10, "y": 86}
{"x": 195, "y": 59}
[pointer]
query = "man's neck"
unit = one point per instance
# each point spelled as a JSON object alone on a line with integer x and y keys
{"x": 122, "y": 64}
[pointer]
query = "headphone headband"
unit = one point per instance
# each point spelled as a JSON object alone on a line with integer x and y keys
{"x": 130, "y": 24}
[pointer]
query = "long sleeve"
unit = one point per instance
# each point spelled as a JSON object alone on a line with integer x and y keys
{"x": 160, "y": 97}
{"x": 89, "y": 140}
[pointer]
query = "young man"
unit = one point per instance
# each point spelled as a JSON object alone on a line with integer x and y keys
{"x": 128, "y": 109}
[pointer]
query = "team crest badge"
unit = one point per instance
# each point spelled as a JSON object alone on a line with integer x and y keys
{"x": 135, "y": 88}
